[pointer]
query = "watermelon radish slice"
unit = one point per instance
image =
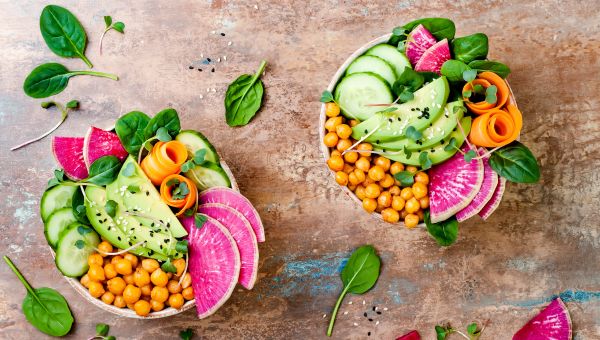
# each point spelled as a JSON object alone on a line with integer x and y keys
{"x": 417, "y": 42}
{"x": 68, "y": 152}
{"x": 486, "y": 192}
{"x": 453, "y": 185}
{"x": 244, "y": 237}
{"x": 552, "y": 323}
{"x": 235, "y": 200}
{"x": 214, "y": 264}
{"x": 433, "y": 59}
{"x": 412, "y": 335}
{"x": 98, "y": 143}
{"x": 494, "y": 202}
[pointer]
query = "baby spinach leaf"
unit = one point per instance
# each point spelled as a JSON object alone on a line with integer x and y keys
{"x": 244, "y": 97}
{"x": 440, "y": 28}
{"x": 52, "y": 78}
{"x": 111, "y": 208}
{"x": 130, "y": 129}
{"x": 78, "y": 206}
{"x": 454, "y": 69}
{"x": 63, "y": 33}
{"x": 168, "y": 119}
{"x": 102, "y": 328}
{"x": 413, "y": 133}
{"x": 409, "y": 80}
{"x": 406, "y": 178}
{"x": 326, "y": 97}
{"x": 516, "y": 163}
{"x": 471, "y": 47}
{"x": 445, "y": 232}
{"x": 492, "y": 66}
{"x": 104, "y": 170}
{"x": 186, "y": 334}
{"x": 358, "y": 276}
{"x": 45, "y": 308}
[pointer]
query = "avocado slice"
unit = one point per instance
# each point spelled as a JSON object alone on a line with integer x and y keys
{"x": 426, "y": 106}
{"x": 436, "y": 154}
{"x": 437, "y": 131}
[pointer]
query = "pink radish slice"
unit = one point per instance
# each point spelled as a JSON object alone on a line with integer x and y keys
{"x": 433, "y": 59}
{"x": 453, "y": 185}
{"x": 244, "y": 237}
{"x": 214, "y": 264}
{"x": 494, "y": 202}
{"x": 98, "y": 143}
{"x": 68, "y": 152}
{"x": 552, "y": 323}
{"x": 417, "y": 42}
{"x": 486, "y": 192}
{"x": 235, "y": 200}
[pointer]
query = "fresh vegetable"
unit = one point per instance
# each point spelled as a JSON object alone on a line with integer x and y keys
{"x": 63, "y": 33}
{"x": 244, "y": 237}
{"x": 57, "y": 222}
{"x": 418, "y": 41}
{"x": 165, "y": 159}
{"x": 440, "y": 28}
{"x": 454, "y": 70}
{"x": 78, "y": 207}
{"x": 408, "y": 83}
{"x": 486, "y": 192}
{"x": 68, "y": 152}
{"x": 473, "y": 332}
{"x": 553, "y": 322}
{"x": 391, "y": 55}
{"x": 369, "y": 63}
{"x": 497, "y": 127}
{"x": 444, "y": 232}
{"x": 433, "y": 59}
{"x": 130, "y": 130}
{"x": 52, "y": 78}
{"x": 470, "y": 48}
{"x": 117, "y": 26}
{"x": 358, "y": 276}
{"x": 494, "y": 202}
{"x": 74, "y": 246}
{"x": 486, "y": 80}
{"x": 98, "y": 143}
{"x": 178, "y": 192}
{"x": 168, "y": 119}
{"x": 186, "y": 334}
{"x": 102, "y": 328}
{"x": 71, "y": 105}
{"x": 195, "y": 141}
{"x": 244, "y": 97}
{"x": 412, "y": 335}
{"x": 516, "y": 163}
{"x": 208, "y": 175}
{"x": 45, "y": 308}
{"x": 104, "y": 170}
{"x": 56, "y": 197}
{"x": 492, "y": 66}
{"x": 355, "y": 91}
{"x": 214, "y": 263}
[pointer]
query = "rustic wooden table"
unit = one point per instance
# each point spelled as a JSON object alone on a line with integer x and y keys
{"x": 543, "y": 241}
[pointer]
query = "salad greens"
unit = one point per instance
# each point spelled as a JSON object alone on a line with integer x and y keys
{"x": 130, "y": 129}
{"x": 473, "y": 331}
{"x": 440, "y": 28}
{"x": 516, "y": 163}
{"x": 471, "y": 47}
{"x": 489, "y": 65}
{"x": 445, "y": 232}
{"x": 244, "y": 97}
{"x": 104, "y": 170}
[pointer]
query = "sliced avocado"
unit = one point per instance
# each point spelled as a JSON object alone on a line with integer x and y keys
{"x": 422, "y": 110}
{"x": 436, "y": 154}
{"x": 437, "y": 131}
{"x": 144, "y": 201}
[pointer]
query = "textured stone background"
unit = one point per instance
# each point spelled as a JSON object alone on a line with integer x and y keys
{"x": 544, "y": 240}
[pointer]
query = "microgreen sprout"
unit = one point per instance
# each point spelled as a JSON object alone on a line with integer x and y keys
{"x": 117, "y": 26}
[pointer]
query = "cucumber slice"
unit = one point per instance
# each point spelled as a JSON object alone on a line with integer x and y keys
{"x": 55, "y": 198}
{"x": 208, "y": 175}
{"x": 369, "y": 63}
{"x": 74, "y": 247}
{"x": 195, "y": 141}
{"x": 390, "y": 54}
{"x": 357, "y": 90}
{"x": 57, "y": 223}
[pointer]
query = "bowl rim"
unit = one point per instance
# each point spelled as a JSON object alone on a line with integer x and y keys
{"x": 126, "y": 312}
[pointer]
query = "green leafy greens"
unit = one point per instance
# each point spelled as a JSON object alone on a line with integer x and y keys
{"x": 445, "y": 232}
{"x": 117, "y": 26}
{"x": 103, "y": 170}
{"x": 440, "y": 28}
{"x": 516, "y": 163}
{"x": 471, "y": 47}
{"x": 244, "y": 97}
{"x": 492, "y": 66}
{"x": 130, "y": 129}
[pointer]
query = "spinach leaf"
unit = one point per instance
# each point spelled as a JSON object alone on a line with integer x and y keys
{"x": 168, "y": 119}
{"x": 78, "y": 207}
{"x": 440, "y": 28}
{"x": 516, "y": 163}
{"x": 445, "y": 232}
{"x": 471, "y": 47}
{"x": 408, "y": 82}
{"x": 130, "y": 129}
{"x": 186, "y": 334}
{"x": 104, "y": 170}
{"x": 454, "y": 69}
{"x": 45, "y": 308}
{"x": 358, "y": 276}
{"x": 102, "y": 329}
{"x": 52, "y": 78}
{"x": 489, "y": 65}
{"x": 244, "y": 97}
{"x": 63, "y": 33}
{"x": 326, "y": 97}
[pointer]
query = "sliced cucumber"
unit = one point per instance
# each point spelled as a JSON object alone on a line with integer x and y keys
{"x": 369, "y": 63}
{"x": 75, "y": 245}
{"x": 357, "y": 90}
{"x": 390, "y": 54}
{"x": 57, "y": 223}
{"x": 208, "y": 175}
{"x": 195, "y": 141}
{"x": 57, "y": 197}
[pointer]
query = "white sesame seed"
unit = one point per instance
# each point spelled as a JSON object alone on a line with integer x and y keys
{"x": 385, "y": 308}
{"x": 214, "y": 90}
{"x": 364, "y": 302}
{"x": 345, "y": 313}
{"x": 376, "y": 323}
{"x": 201, "y": 96}
{"x": 201, "y": 55}
{"x": 224, "y": 58}
{"x": 207, "y": 89}
{"x": 324, "y": 316}
{"x": 213, "y": 32}
{"x": 229, "y": 43}
{"x": 218, "y": 60}
{"x": 355, "y": 324}
{"x": 256, "y": 7}
{"x": 350, "y": 302}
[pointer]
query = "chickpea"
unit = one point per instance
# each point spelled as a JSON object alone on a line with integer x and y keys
{"x": 343, "y": 131}
{"x": 411, "y": 169}
{"x": 150, "y": 265}
{"x": 353, "y": 122}
{"x": 351, "y": 157}
{"x": 406, "y": 194}
{"x": 142, "y": 308}
{"x": 146, "y": 290}
{"x": 132, "y": 294}
{"x": 385, "y": 199}
{"x": 176, "y": 301}
{"x": 390, "y": 215}
{"x": 116, "y": 285}
{"x": 348, "y": 168}
{"x": 395, "y": 190}
{"x": 331, "y": 139}
{"x": 129, "y": 279}
{"x": 96, "y": 289}
{"x": 360, "y": 175}
{"x": 351, "y": 187}
{"x": 141, "y": 277}
{"x": 352, "y": 179}
{"x": 369, "y": 204}
{"x": 96, "y": 259}
{"x": 368, "y": 181}
{"x": 116, "y": 258}
{"x": 123, "y": 267}
{"x": 422, "y": 177}
{"x": 365, "y": 147}
{"x": 108, "y": 298}
{"x": 332, "y": 122}
{"x": 372, "y": 190}
{"x": 187, "y": 281}
{"x": 336, "y": 163}
{"x": 376, "y": 173}
{"x": 387, "y": 181}
{"x": 119, "y": 302}
{"x": 335, "y": 153}
{"x": 421, "y": 215}
{"x": 412, "y": 206}
{"x": 85, "y": 281}
{"x": 363, "y": 164}
{"x": 109, "y": 271}
{"x": 332, "y": 109}
{"x": 403, "y": 214}
{"x": 159, "y": 278}
{"x": 131, "y": 306}
{"x": 411, "y": 220}
{"x": 104, "y": 247}
{"x": 180, "y": 265}
{"x": 396, "y": 167}
{"x": 424, "y": 202}
{"x": 341, "y": 178}
{"x": 188, "y": 293}
{"x": 398, "y": 203}
{"x": 383, "y": 162}
{"x": 174, "y": 287}
{"x": 157, "y": 306}
{"x": 343, "y": 145}
{"x": 131, "y": 258}
{"x": 419, "y": 190}
{"x": 96, "y": 273}
{"x": 160, "y": 294}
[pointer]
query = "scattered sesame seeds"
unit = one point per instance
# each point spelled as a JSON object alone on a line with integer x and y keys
{"x": 218, "y": 60}
{"x": 346, "y": 313}
{"x": 213, "y": 32}
{"x": 355, "y": 324}
{"x": 385, "y": 308}
{"x": 222, "y": 34}
{"x": 256, "y": 7}
{"x": 229, "y": 43}
{"x": 364, "y": 302}
{"x": 224, "y": 58}
{"x": 376, "y": 323}
{"x": 324, "y": 316}
{"x": 350, "y": 302}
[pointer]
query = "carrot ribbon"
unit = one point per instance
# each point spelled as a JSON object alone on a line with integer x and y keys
{"x": 166, "y": 193}
{"x": 487, "y": 79}
{"x": 496, "y": 127}
{"x": 165, "y": 159}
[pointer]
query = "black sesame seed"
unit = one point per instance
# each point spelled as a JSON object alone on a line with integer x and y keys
{"x": 191, "y": 67}
{"x": 374, "y": 308}
{"x": 442, "y": 142}
{"x": 119, "y": 238}
{"x": 369, "y": 334}
{"x": 161, "y": 246}
{"x": 399, "y": 119}
{"x": 208, "y": 59}
{"x": 213, "y": 70}
{"x": 365, "y": 314}
{"x": 366, "y": 131}
{"x": 378, "y": 312}
{"x": 432, "y": 150}
{"x": 377, "y": 142}
{"x": 130, "y": 244}
{"x": 167, "y": 240}
{"x": 98, "y": 214}
{"x": 150, "y": 252}
{"x": 168, "y": 225}
{"x": 222, "y": 34}
{"x": 390, "y": 120}
{"x": 109, "y": 228}
{"x": 199, "y": 70}
{"x": 148, "y": 192}
{"x": 370, "y": 320}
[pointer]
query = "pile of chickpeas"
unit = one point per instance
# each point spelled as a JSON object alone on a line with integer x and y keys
{"x": 135, "y": 282}
{"x": 371, "y": 177}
